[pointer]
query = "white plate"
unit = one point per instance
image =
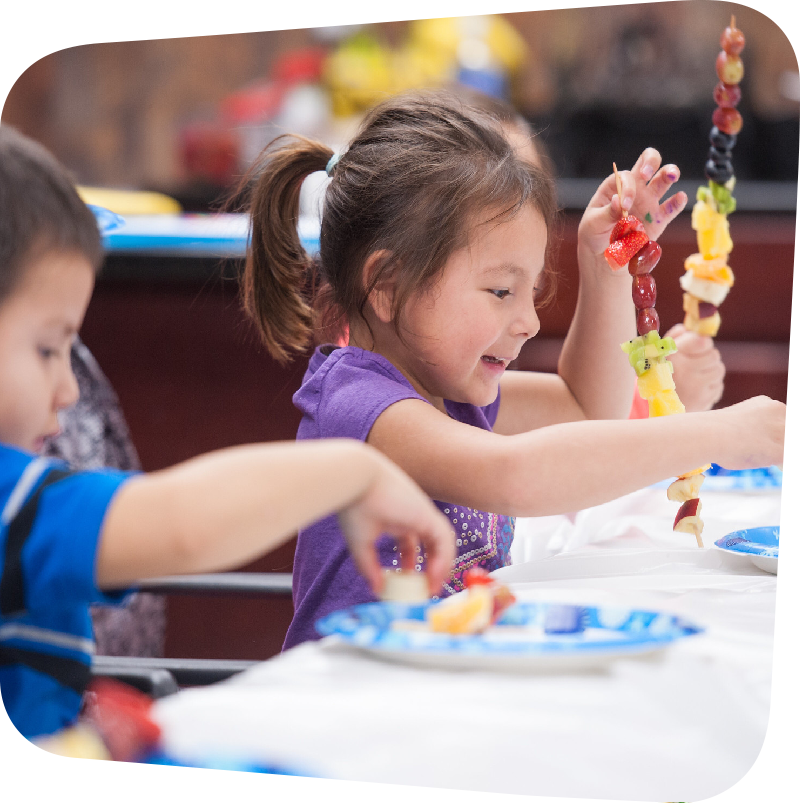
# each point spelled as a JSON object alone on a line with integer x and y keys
{"x": 758, "y": 544}
{"x": 527, "y": 638}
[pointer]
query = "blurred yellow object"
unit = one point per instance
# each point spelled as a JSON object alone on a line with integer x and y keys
{"x": 78, "y": 741}
{"x": 445, "y": 35}
{"x": 656, "y": 379}
{"x": 129, "y": 202}
{"x": 713, "y": 233}
{"x": 665, "y": 403}
{"x": 467, "y": 612}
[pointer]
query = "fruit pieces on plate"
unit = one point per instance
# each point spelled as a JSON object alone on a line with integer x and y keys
{"x": 472, "y": 610}
{"x": 404, "y": 586}
{"x": 708, "y": 278}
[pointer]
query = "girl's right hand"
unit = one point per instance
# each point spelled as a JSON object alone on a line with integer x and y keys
{"x": 394, "y": 504}
{"x": 754, "y": 433}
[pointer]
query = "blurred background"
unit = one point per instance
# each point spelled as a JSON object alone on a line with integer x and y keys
{"x": 184, "y": 118}
{"x": 187, "y": 116}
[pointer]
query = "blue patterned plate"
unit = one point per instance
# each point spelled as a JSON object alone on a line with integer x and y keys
{"x": 759, "y": 544}
{"x": 530, "y": 636}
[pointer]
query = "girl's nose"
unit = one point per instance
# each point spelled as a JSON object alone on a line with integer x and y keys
{"x": 528, "y": 323}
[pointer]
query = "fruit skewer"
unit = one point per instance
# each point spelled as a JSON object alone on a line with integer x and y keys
{"x": 648, "y": 352}
{"x": 708, "y": 277}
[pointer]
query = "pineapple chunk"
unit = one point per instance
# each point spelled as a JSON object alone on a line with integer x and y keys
{"x": 656, "y": 379}
{"x": 703, "y": 326}
{"x": 713, "y": 231}
{"x": 665, "y": 403}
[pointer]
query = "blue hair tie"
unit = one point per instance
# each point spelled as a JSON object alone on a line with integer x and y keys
{"x": 331, "y": 164}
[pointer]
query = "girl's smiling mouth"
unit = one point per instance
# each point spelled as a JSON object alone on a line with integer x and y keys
{"x": 494, "y": 362}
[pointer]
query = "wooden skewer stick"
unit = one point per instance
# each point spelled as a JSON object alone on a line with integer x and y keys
{"x": 619, "y": 188}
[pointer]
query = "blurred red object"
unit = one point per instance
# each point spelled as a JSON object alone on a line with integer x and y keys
{"x": 121, "y": 715}
{"x": 302, "y": 66}
{"x": 210, "y": 152}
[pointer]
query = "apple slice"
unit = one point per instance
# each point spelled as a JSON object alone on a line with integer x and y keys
{"x": 682, "y": 490}
{"x": 688, "y": 519}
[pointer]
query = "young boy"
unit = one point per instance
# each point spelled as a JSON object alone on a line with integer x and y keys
{"x": 69, "y": 539}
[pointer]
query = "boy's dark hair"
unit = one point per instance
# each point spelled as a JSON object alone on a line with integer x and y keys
{"x": 40, "y": 210}
{"x": 423, "y": 168}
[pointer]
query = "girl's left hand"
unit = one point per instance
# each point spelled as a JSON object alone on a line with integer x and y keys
{"x": 643, "y": 187}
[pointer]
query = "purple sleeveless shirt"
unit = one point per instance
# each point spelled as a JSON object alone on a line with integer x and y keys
{"x": 343, "y": 393}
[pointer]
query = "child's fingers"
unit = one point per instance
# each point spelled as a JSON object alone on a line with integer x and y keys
{"x": 647, "y": 164}
{"x": 663, "y": 180}
{"x": 671, "y": 208}
{"x": 692, "y": 343}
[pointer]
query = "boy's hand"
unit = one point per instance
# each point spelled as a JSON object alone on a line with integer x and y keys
{"x": 643, "y": 187}
{"x": 394, "y": 504}
{"x": 698, "y": 369}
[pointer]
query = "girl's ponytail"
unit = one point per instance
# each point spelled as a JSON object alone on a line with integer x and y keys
{"x": 278, "y": 272}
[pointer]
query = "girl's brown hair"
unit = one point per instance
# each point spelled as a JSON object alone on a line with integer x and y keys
{"x": 423, "y": 169}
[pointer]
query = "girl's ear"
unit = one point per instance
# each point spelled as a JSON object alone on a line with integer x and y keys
{"x": 380, "y": 284}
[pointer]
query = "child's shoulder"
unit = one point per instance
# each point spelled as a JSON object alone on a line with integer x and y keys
{"x": 345, "y": 389}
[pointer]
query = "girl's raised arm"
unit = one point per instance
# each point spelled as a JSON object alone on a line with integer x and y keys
{"x": 221, "y": 510}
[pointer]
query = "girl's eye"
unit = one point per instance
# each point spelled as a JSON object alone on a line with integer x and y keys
{"x": 501, "y": 293}
{"x": 47, "y": 353}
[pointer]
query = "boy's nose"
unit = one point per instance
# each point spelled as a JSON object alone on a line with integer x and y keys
{"x": 68, "y": 391}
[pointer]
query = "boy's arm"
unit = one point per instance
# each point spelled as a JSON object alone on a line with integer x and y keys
{"x": 221, "y": 510}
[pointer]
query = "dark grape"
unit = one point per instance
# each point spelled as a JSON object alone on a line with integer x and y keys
{"x": 647, "y": 321}
{"x": 705, "y": 309}
{"x": 719, "y": 139}
{"x": 727, "y": 120}
{"x": 732, "y": 41}
{"x": 644, "y": 291}
{"x": 645, "y": 259}
{"x": 730, "y": 69}
{"x": 727, "y": 95}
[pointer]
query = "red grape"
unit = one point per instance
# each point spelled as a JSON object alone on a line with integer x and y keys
{"x": 730, "y": 69}
{"x": 727, "y": 95}
{"x": 644, "y": 291}
{"x": 727, "y": 120}
{"x": 732, "y": 41}
{"x": 645, "y": 259}
{"x": 647, "y": 321}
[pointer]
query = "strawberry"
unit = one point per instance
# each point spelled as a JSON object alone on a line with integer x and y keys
{"x": 621, "y": 251}
{"x": 624, "y": 226}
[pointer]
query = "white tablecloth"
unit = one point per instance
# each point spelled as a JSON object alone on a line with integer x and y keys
{"x": 684, "y": 724}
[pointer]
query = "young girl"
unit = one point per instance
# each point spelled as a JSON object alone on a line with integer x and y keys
{"x": 433, "y": 246}
{"x": 698, "y": 370}
{"x": 68, "y": 539}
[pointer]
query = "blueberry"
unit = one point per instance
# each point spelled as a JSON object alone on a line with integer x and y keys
{"x": 720, "y": 173}
{"x": 719, "y": 156}
{"x": 721, "y": 140}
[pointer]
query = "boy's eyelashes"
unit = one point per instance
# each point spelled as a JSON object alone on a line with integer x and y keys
{"x": 500, "y": 292}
